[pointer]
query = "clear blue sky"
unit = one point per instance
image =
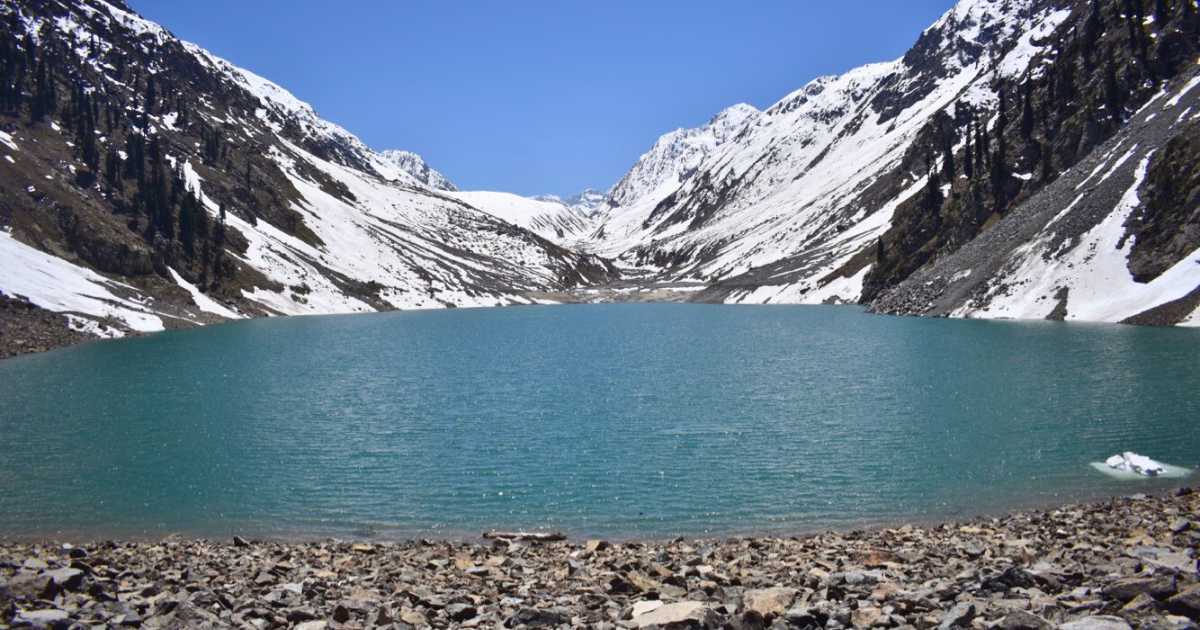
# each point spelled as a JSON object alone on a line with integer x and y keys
{"x": 540, "y": 96}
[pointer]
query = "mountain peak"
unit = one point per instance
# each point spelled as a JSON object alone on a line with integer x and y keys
{"x": 415, "y": 165}
{"x": 677, "y": 153}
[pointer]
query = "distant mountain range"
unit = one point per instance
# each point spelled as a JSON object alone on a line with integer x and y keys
{"x": 1025, "y": 158}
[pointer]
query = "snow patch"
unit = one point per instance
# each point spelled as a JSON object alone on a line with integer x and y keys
{"x": 57, "y": 285}
{"x": 203, "y": 302}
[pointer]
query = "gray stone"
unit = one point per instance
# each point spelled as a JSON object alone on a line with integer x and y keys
{"x": 1126, "y": 589}
{"x": 35, "y": 564}
{"x": 1186, "y": 602}
{"x": 643, "y": 607}
{"x": 1096, "y": 622}
{"x": 959, "y": 616}
{"x": 69, "y": 579}
{"x": 27, "y": 585}
{"x": 45, "y": 618}
{"x": 1023, "y": 620}
{"x": 539, "y": 617}
{"x": 1165, "y": 558}
{"x": 689, "y": 613}
{"x": 460, "y": 612}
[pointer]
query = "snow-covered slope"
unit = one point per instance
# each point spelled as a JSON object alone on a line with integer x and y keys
{"x": 589, "y": 203}
{"x": 793, "y": 206}
{"x": 816, "y": 173}
{"x": 548, "y": 216}
{"x": 285, "y": 114}
{"x": 677, "y": 153}
{"x": 1065, "y": 253}
{"x": 415, "y": 165}
{"x": 1077, "y": 202}
{"x": 297, "y": 214}
{"x": 659, "y": 172}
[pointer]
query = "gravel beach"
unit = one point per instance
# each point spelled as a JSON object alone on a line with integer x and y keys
{"x": 1127, "y": 562}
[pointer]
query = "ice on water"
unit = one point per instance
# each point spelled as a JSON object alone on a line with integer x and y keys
{"x": 1130, "y": 465}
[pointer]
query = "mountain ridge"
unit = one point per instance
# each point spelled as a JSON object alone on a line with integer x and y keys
{"x": 161, "y": 186}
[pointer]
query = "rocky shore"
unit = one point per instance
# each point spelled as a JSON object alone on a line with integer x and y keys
{"x": 25, "y": 328}
{"x": 1125, "y": 563}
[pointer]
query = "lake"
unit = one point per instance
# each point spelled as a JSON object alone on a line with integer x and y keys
{"x": 636, "y": 420}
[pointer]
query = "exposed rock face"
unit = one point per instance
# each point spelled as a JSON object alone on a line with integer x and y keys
{"x": 415, "y": 165}
{"x": 1111, "y": 565}
{"x": 1070, "y": 251}
{"x": 1167, "y": 227}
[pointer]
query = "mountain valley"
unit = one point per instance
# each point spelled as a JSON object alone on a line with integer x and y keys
{"x": 1029, "y": 159}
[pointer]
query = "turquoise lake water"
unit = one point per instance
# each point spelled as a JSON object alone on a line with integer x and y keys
{"x": 646, "y": 420}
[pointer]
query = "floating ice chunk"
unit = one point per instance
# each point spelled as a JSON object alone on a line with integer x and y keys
{"x": 1132, "y": 462}
{"x": 1130, "y": 465}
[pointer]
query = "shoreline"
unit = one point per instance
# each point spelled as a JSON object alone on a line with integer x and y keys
{"x": 1130, "y": 560}
{"x": 297, "y": 536}
{"x": 45, "y": 337}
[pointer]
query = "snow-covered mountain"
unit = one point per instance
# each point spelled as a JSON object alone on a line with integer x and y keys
{"x": 828, "y": 194}
{"x": 560, "y": 221}
{"x": 1094, "y": 245}
{"x": 677, "y": 154}
{"x": 821, "y": 168}
{"x": 659, "y": 172}
{"x": 149, "y": 184}
{"x": 1025, "y": 158}
{"x": 589, "y": 202}
{"x": 415, "y": 165}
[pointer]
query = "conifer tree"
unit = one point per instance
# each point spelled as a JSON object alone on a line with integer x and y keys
{"x": 968, "y": 156}
{"x": 981, "y": 145}
{"x": 1189, "y": 18}
{"x": 1001, "y": 112}
{"x": 1047, "y": 163}
{"x": 151, "y": 94}
{"x": 1162, "y": 12}
{"x": 1027, "y": 110}
{"x": 1093, "y": 27}
{"x": 187, "y": 223}
{"x": 1114, "y": 96}
{"x": 948, "y": 171}
{"x": 112, "y": 168}
{"x": 931, "y": 200}
{"x": 997, "y": 162}
{"x": 44, "y": 100}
